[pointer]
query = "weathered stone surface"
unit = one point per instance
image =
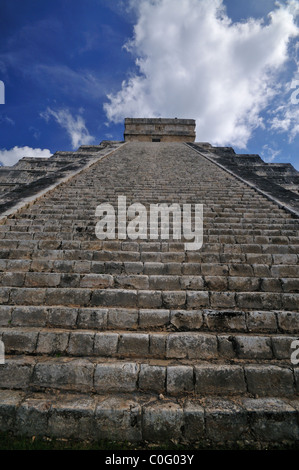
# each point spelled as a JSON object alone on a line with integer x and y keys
{"x": 99, "y": 281}
{"x": 192, "y": 346}
{"x": 225, "y": 421}
{"x": 5, "y": 315}
{"x": 225, "y": 320}
{"x": 186, "y": 320}
{"x": 120, "y": 377}
{"x": 222, "y": 299}
{"x": 26, "y": 296}
{"x": 62, "y": 317}
{"x": 16, "y": 373}
{"x": 219, "y": 379}
{"x": 10, "y": 400}
{"x": 12, "y": 279}
{"x": 42, "y": 279}
{"x": 288, "y": 322}
{"x": 261, "y": 321}
{"x": 156, "y": 130}
{"x": 217, "y": 283}
{"x": 72, "y": 416}
{"x": 164, "y": 282}
{"x": 192, "y": 282}
{"x": 130, "y": 281}
{"x": 118, "y": 419}
{"x": 257, "y": 347}
{"x": 194, "y": 420}
{"x": 93, "y": 318}
{"x": 32, "y": 416}
{"x": 179, "y": 380}
{"x": 64, "y": 374}
{"x": 226, "y": 347}
{"x": 67, "y": 297}
{"x": 114, "y": 298}
{"x": 157, "y": 345}
{"x": 197, "y": 299}
{"x": 282, "y": 346}
{"x": 81, "y": 343}
{"x": 174, "y": 300}
{"x": 149, "y": 299}
{"x": 51, "y": 342}
{"x": 162, "y": 421}
{"x": 105, "y": 344}
{"x": 143, "y": 339}
{"x": 134, "y": 344}
{"x": 18, "y": 341}
{"x": 273, "y": 418}
{"x": 29, "y": 316}
{"x": 153, "y": 318}
{"x": 152, "y": 378}
{"x": 270, "y": 380}
{"x": 123, "y": 318}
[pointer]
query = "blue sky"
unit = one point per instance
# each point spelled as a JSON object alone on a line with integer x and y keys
{"x": 74, "y": 69}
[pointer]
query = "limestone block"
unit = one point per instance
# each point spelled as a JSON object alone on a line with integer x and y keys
{"x": 179, "y": 380}
{"x": 152, "y": 378}
{"x": 219, "y": 379}
{"x": 269, "y": 380}
{"x": 120, "y": 377}
{"x": 162, "y": 421}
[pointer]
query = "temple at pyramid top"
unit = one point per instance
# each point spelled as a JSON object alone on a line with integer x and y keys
{"x": 159, "y": 130}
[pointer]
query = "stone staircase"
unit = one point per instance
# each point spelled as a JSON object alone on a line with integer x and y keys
{"x": 30, "y": 177}
{"x": 141, "y": 340}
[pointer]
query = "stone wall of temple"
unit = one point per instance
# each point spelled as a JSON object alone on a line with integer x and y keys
{"x": 159, "y": 130}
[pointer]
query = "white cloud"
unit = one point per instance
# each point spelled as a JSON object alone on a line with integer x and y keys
{"x": 287, "y": 120}
{"x": 12, "y": 156}
{"x": 286, "y": 114}
{"x": 269, "y": 154}
{"x": 75, "y": 126}
{"x": 195, "y": 63}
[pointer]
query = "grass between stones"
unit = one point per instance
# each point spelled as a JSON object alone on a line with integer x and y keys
{"x": 10, "y": 442}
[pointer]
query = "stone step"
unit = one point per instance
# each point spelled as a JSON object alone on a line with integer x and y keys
{"x": 212, "y": 235}
{"x": 24, "y": 219}
{"x": 23, "y": 250}
{"x": 141, "y": 247}
{"x": 214, "y": 202}
{"x": 77, "y": 240}
{"x": 211, "y": 211}
{"x": 214, "y": 206}
{"x": 219, "y": 224}
{"x": 191, "y": 346}
{"x": 50, "y": 232}
{"x": 213, "y": 421}
{"x": 209, "y": 221}
{"x": 142, "y": 339}
{"x": 61, "y": 239}
{"x": 178, "y": 378}
{"x": 272, "y": 266}
{"x": 132, "y": 319}
{"x": 132, "y": 298}
{"x": 148, "y": 263}
{"x": 234, "y": 280}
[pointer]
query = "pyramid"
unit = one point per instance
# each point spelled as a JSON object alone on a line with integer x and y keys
{"x": 138, "y": 338}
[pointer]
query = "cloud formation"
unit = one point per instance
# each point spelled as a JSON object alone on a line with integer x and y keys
{"x": 75, "y": 126}
{"x": 194, "y": 62}
{"x": 286, "y": 116}
{"x": 12, "y": 156}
